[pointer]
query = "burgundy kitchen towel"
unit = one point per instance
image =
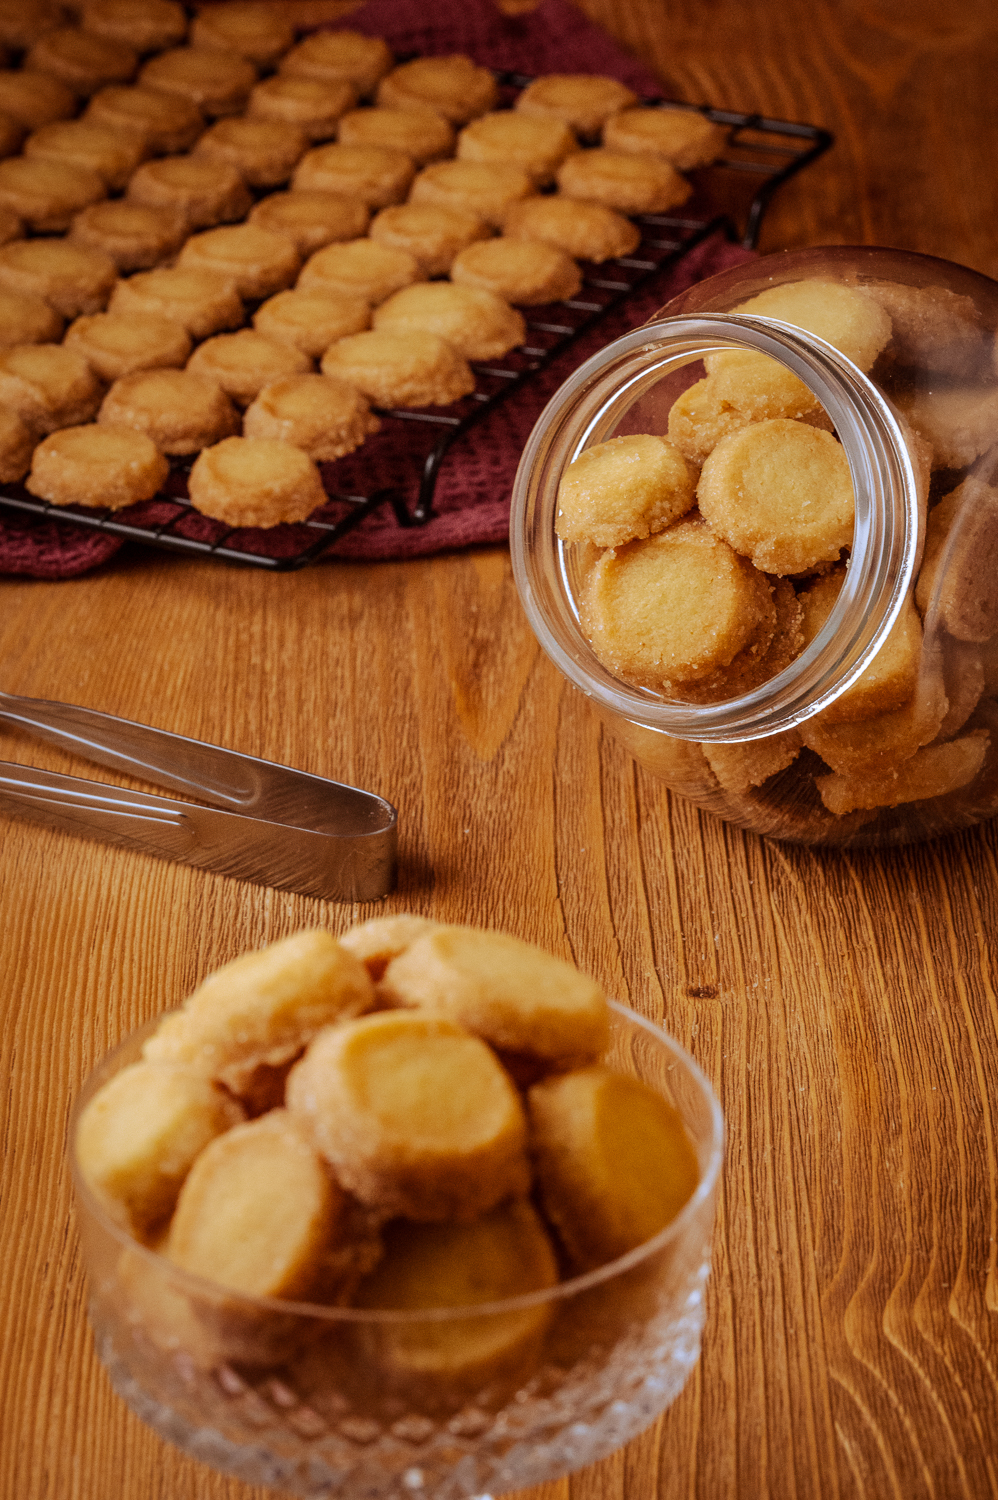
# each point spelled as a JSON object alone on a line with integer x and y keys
{"x": 472, "y": 498}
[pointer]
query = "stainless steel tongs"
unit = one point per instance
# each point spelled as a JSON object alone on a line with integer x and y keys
{"x": 266, "y": 823}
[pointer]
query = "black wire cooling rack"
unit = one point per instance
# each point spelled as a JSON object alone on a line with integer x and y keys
{"x": 760, "y": 156}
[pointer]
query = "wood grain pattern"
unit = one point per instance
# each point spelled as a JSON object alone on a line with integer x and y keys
{"x": 844, "y": 1005}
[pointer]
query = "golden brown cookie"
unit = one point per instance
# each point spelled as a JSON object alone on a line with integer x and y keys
{"x": 179, "y": 410}
{"x": 219, "y": 83}
{"x": 112, "y": 155}
{"x": 255, "y": 482}
{"x": 934, "y": 771}
{"x": 414, "y": 1114}
{"x": 133, "y": 235}
{"x": 624, "y": 181}
{"x": 71, "y": 279}
{"x": 932, "y": 328}
{"x": 614, "y": 1163}
{"x": 380, "y": 939}
{"x": 17, "y": 443}
{"x": 524, "y": 272}
{"x": 311, "y": 320}
{"x": 674, "y": 607}
{"x": 958, "y": 577}
{"x": 420, "y": 134}
{"x": 97, "y": 466}
{"x": 255, "y": 261}
{"x": 47, "y": 386}
{"x": 454, "y": 87}
{"x": 310, "y": 104}
{"x": 374, "y": 174}
{"x": 165, "y": 123}
{"x": 257, "y": 1211}
{"x": 846, "y": 317}
{"x": 477, "y": 323}
{"x": 487, "y": 191}
{"x": 243, "y": 363}
{"x": 264, "y": 152}
{"x": 311, "y": 220}
{"x": 140, "y": 1134}
{"x": 686, "y": 138}
{"x": 81, "y": 60}
{"x": 624, "y": 489}
{"x": 515, "y": 996}
{"x": 780, "y": 493}
{"x": 145, "y": 25}
{"x": 200, "y": 301}
{"x": 34, "y": 99}
{"x": 740, "y": 767}
{"x": 401, "y": 369}
{"x": 877, "y": 746}
{"x": 114, "y": 345}
{"x": 434, "y": 235}
{"x": 585, "y": 101}
{"x": 264, "y": 1006}
{"x": 959, "y": 422}
{"x": 892, "y": 676}
{"x": 25, "y": 318}
{"x": 22, "y": 22}
{"x": 325, "y": 418}
{"x": 206, "y": 192}
{"x": 361, "y": 268}
{"x": 45, "y": 194}
{"x": 258, "y": 32}
{"x": 586, "y": 231}
{"x": 505, "y": 1253}
{"x": 538, "y": 146}
{"x": 340, "y": 57}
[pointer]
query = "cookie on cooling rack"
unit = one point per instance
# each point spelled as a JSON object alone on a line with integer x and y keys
{"x": 135, "y": 236}
{"x": 374, "y": 174}
{"x": 255, "y": 482}
{"x": 264, "y": 152}
{"x": 145, "y": 25}
{"x": 586, "y": 231}
{"x": 200, "y": 301}
{"x": 112, "y": 154}
{"x": 82, "y": 61}
{"x": 255, "y": 261}
{"x": 361, "y": 268}
{"x": 219, "y": 83}
{"x": 481, "y": 188}
{"x": 311, "y": 319}
{"x": 96, "y": 466}
{"x": 325, "y": 417}
{"x": 311, "y": 220}
{"x": 401, "y": 369}
{"x": 312, "y": 104}
{"x": 585, "y": 101}
{"x": 340, "y": 57}
{"x": 242, "y": 363}
{"x": 627, "y": 181}
{"x": 684, "y": 137}
{"x": 46, "y": 194}
{"x": 164, "y": 123}
{"x": 70, "y": 278}
{"x": 537, "y": 145}
{"x": 114, "y": 345}
{"x": 524, "y": 272}
{"x": 477, "y": 323}
{"x": 206, "y": 192}
{"x": 454, "y": 87}
{"x": 433, "y": 234}
{"x": 420, "y": 134}
{"x": 179, "y": 410}
{"x": 257, "y": 32}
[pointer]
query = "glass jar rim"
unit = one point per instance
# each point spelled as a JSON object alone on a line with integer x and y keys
{"x": 323, "y": 1312}
{"x": 886, "y": 538}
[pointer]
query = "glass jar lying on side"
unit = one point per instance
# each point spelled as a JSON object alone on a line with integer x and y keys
{"x": 761, "y": 534}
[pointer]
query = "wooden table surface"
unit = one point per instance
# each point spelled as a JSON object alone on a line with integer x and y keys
{"x": 844, "y": 1005}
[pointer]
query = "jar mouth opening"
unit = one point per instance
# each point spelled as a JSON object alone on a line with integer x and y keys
{"x": 590, "y": 407}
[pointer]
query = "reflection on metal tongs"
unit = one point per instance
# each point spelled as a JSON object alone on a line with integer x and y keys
{"x": 266, "y": 823}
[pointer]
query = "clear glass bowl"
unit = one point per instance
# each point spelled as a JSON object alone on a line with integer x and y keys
{"x": 920, "y": 433}
{"x": 292, "y": 1394}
